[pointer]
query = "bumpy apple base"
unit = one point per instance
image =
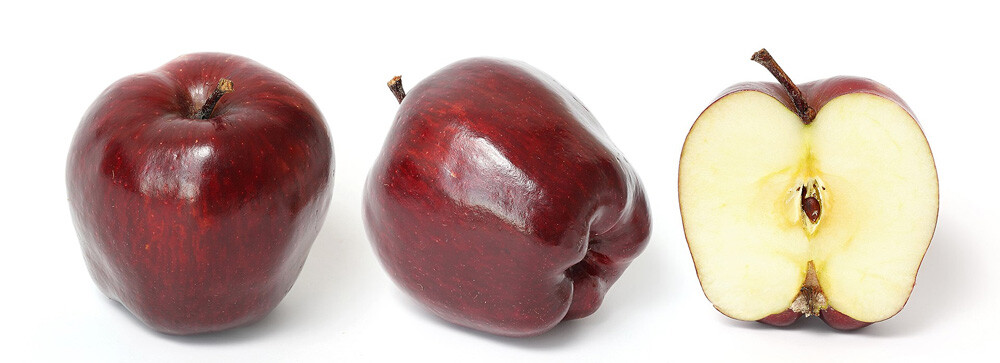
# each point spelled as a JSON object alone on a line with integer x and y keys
{"x": 811, "y": 302}
{"x": 831, "y": 317}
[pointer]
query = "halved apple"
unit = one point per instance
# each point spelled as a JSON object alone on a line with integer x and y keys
{"x": 790, "y": 211}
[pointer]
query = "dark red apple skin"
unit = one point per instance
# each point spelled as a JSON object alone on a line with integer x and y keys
{"x": 830, "y": 316}
{"x": 782, "y": 319}
{"x": 839, "y": 321}
{"x": 817, "y": 94}
{"x": 199, "y": 225}
{"x": 499, "y": 203}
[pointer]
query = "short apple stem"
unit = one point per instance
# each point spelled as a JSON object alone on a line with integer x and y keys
{"x": 396, "y": 86}
{"x": 225, "y": 86}
{"x": 805, "y": 112}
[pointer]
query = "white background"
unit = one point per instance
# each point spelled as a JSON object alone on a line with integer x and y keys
{"x": 646, "y": 70}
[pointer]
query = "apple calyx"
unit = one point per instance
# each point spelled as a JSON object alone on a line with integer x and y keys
{"x": 396, "y": 86}
{"x": 810, "y": 300}
{"x": 225, "y": 86}
{"x": 802, "y": 109}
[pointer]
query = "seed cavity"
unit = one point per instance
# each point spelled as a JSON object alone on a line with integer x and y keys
{"x": 808, "y": 199}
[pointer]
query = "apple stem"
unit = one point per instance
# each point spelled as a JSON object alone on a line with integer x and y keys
{"x": 225, "y": 86}
{"x": 805, "y": 112}
{"x": 396, "y": 86}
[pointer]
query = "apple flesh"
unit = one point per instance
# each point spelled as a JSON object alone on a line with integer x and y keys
{"x": 499, "y": 203}
{"x": 195, "y": 208}
{"x": 829, "y": 216}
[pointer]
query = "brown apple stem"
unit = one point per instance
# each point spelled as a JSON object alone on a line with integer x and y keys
{"x": 396, "y": 86}
{"x": 805, "y": 112}
{"x": 225, "y": 86}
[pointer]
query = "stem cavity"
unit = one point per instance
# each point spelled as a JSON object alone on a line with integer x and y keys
{"x": 225, "y": 86}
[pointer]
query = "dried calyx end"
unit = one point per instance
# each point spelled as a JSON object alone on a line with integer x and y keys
{"x": 223, "y": 87}
{"x": 810, "y": 300}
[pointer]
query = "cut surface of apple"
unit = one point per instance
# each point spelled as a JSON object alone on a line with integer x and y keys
{"x": 783, "y": 215}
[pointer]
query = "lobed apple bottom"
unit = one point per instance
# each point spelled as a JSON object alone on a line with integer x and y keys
{"x": 197, "y": 190}
{"x": 792, "y": 211}
{"x": 499, "y": 203}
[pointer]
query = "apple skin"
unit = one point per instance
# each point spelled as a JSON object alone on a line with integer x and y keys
{"x": 786, "y": 318}
{"x": 199, "y": 225}
{"x": 499, "y": 203}
{"x": 817, "y": 94}
{"x": 830, "y": 316}
{"x": 838, "y": 320}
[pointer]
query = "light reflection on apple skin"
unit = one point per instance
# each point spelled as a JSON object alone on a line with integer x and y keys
{"x": 475, "y": 166}
{"x": 175, "y": 174}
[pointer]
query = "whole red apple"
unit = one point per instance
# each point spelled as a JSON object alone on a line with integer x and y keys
{"x": 499, "y": 202}
{"x": 197, "y": 190}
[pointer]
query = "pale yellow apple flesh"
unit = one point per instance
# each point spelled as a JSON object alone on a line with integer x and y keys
{"x": 864, "y": 160}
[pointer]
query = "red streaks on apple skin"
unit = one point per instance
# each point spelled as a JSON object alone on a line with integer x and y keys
{"x": 499, "y": 202}
{"x": 199, "y": 225}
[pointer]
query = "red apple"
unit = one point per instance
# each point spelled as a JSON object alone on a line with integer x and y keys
{"x": 195, "y": 208}
{"x": 499, "y": 202}
{"x": 819, "y": 199}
